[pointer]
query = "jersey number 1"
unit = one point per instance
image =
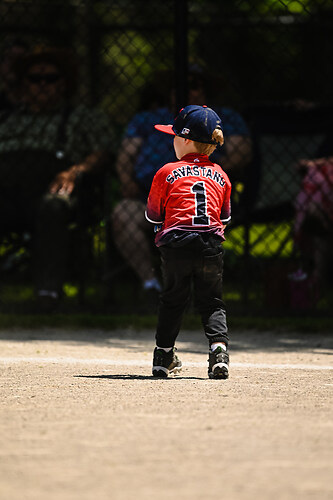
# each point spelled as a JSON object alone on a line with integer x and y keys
{"x": 201, "y": 218}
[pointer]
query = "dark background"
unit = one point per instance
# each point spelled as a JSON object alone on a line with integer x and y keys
{"x": 262, "y": 56}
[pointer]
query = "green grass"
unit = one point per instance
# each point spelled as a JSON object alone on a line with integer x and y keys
{"x": 266, "y": 240}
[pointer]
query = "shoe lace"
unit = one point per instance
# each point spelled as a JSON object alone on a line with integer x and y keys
{"x": 220, "y": 355}
{"x": 163, "y": 356}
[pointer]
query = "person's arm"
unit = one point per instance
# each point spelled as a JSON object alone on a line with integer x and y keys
{"x": 64, "y": 182}
{"x": 89, "y": 147}
{"x": 238, "y": 154}
{"x": 128, "y": 152}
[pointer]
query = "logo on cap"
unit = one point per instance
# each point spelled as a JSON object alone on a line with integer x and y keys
{"x": 200, "y": 123}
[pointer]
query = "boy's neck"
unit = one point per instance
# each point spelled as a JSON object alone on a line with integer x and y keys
{"x": 193, "y": 152}
{"x": 190, "y": 148}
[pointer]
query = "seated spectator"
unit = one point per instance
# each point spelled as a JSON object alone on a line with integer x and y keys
{"x": 313, "y": 230}
{"x": 144, "y": 151}
{"x": 47, "y": 145}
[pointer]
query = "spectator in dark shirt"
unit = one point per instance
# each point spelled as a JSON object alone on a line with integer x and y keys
{"x": 48, "y": 145}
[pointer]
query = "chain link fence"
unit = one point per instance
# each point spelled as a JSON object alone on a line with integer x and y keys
{"x": 83, "y": 83}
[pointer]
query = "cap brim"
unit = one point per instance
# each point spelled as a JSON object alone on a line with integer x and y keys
{"x": 165, "y": 128}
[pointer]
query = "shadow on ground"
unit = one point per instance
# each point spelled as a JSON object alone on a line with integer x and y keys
{"x": 191, "y": 341}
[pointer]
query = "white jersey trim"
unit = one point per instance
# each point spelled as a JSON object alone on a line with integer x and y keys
{"x": 152, "y": 221}
{"x": 225, "y": 221}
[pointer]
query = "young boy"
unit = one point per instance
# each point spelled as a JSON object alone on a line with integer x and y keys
{"x": 190, "y": 201}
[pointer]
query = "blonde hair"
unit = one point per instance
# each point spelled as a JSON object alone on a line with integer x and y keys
{"x": 207, "y": 149}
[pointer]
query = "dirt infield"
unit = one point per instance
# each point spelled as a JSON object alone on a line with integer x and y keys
{"x": 81, "y": 418}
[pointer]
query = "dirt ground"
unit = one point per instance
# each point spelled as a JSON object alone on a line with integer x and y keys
{"x": 81, "y": 418}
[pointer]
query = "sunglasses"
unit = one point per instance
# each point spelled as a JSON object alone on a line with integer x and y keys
{"x": 46, "y": 78}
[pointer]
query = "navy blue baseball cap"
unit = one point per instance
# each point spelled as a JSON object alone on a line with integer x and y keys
{"x": 193, "y": 122}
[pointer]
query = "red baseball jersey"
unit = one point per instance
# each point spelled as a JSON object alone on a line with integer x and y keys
{"x": 192, "y": 194}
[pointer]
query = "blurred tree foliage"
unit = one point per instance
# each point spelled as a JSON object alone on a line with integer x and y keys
{"x": 255, "y": 50}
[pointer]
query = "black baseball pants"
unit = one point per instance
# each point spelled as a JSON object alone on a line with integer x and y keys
{"x": 200, "y": 267}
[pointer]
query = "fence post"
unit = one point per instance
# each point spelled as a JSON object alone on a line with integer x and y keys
{"x": 181, "y": 53}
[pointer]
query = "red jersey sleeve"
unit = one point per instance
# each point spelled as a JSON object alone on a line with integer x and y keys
{"x": 226, "y": 206}
{"x": 155, "y": 211}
